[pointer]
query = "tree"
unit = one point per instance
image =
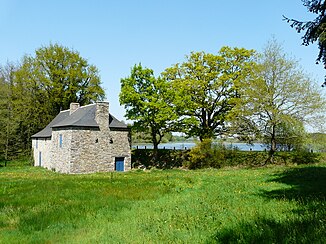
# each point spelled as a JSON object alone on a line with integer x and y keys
{"x": 8, "y": 123}
{"x": 44, "y": 84}
{"x": 291, "y": 136}
{"x": 206, "y": 87}
{"x": 62, "y": 76}
{"x": 280, "y": 95}
{"x": 147, "y": 101}
{"x": 317, "y": 141}
{"x": 315, "y": 29}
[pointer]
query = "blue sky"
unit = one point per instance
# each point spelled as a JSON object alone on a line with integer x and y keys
{"x": 115, "y": 35}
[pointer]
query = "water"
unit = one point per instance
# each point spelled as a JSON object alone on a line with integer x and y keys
{"x": 189, "y": 145}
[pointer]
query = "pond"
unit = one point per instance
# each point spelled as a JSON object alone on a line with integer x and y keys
{"x": 189, "y": 145}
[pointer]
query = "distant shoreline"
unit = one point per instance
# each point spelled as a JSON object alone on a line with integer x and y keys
{"x": 188, "y": 145}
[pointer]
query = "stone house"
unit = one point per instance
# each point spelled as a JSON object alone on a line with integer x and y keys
{"x": 83, "y": 139}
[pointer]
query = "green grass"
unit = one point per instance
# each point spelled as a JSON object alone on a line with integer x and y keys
{"x": 283, "y": 204}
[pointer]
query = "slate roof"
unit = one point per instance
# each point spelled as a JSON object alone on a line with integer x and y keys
{"x": 82, "y": 117}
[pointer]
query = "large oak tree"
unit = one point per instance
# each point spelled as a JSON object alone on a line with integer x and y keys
{"x": 42, "y": 85}
{"x": 62, "y": 76}
{"x": 206, "y": 89}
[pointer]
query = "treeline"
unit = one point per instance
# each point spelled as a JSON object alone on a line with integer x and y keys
{"x": 252, "y": 96}
{"x": 248, "y": 95}
{"x": 34, "y": 90}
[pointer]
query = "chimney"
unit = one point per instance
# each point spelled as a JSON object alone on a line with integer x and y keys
{"x": 102, "y": 114}
{"x": 73, "y": 107}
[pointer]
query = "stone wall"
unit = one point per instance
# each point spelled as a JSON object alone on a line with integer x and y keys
{"x": 61, "y": 156}
{"x": 73, "y": 107}
{"x": 102, "y": 115}
{"x": 85, "y": 148}
{"x": 43, "y": 146}
{"x": 89, "y": 150}
{"x": 121, "y": 146}
{"x": 93, "y": 150}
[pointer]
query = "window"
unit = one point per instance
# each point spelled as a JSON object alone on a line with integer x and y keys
{"x": 60, "y": 140}
{"x": 40, "y": 159}
{"x": 36, "y": 143}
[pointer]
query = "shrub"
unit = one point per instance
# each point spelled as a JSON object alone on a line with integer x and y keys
{"x": 206, "y": 154}
{"x": 166, "y": 158}
{"x": 305, "y": 157}
{"x": 247, "y": 158}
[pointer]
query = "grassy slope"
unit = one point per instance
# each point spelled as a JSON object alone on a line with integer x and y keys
{"x": 279, "y": 204}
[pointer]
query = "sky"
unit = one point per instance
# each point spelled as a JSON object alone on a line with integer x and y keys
{"x": 116, "y": 35}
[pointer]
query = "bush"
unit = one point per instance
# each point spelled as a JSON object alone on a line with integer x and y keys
{"x": 203, "y": 156}
{"x": 20, "y": 162}
{"x": 305, "y": 157}
{"x": 209, "y": 155}
{"x": 206, "y": 154}
{"x": 166, "y": 158}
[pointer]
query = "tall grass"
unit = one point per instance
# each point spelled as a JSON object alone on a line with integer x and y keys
{"x": 280, "y": 204}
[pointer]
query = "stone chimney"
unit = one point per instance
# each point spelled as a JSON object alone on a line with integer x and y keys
{"x": 102, "y": 115}
{"x": 73, "y": 107}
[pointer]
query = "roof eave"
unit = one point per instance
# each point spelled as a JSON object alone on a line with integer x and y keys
{"x": 36, "y": 136}
{"x": 119, "y": 128}
{"x": 65, "y": 126}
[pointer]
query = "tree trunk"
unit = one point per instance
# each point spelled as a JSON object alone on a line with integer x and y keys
{"x": 155, "y": 148}
{"x": 155, "y": 154}
{"x": 273, "y": 146}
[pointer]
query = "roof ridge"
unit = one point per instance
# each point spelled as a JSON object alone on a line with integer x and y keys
{"x": 87, "y": 105}
{"x": 66, "y": 110}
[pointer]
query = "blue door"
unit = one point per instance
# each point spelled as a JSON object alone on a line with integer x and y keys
{"x": 119, "y": 164}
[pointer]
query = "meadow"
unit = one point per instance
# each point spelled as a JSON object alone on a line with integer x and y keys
{"x": 273, "y": 204}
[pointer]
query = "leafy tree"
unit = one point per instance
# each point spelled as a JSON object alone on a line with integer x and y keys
{"x": 315, "y": 30}
{"x": 317, "y": 141}
{"x": 140, "y": 136}
{"x": 206, "y": 87}
{"x": 46, "y": 83}
{"x": 61, "y": 76}
{"x": 281, "y": 96}
{"x": 291, "y": 136}
{"x": 8, "y": 124}
{"x": 147, "y": 101}
{"x": 31, "y": 105}
{"x": 145, "y": 136}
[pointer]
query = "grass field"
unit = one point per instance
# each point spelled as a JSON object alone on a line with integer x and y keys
{"x": 282, "y": 204}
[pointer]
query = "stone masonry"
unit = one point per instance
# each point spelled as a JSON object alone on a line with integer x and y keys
{"x": 89, "y": 145}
